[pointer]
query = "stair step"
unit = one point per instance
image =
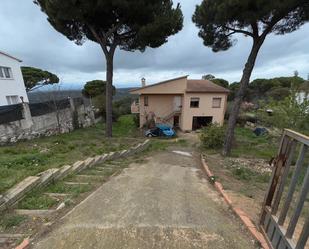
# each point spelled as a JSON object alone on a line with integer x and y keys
{"x": 13, "y": 235}
{"x": 77, "y": 183}
{"x": 57, "y": 195}
{"x": 35, "y": 212}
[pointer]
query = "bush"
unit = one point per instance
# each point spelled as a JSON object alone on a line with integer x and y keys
{"x": 212, "y": 136}
{"x": 136, "y": 120}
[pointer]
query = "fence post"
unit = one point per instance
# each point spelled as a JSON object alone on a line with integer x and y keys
{"x": 27, "y": 115}
{"x": 74, "y": 114}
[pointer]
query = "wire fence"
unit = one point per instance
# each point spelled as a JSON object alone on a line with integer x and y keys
{"x": 11, "y": 113}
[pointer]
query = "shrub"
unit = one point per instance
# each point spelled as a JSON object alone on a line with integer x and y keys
{"x": 136, "y": 120}
{"x": 212, "y": 136}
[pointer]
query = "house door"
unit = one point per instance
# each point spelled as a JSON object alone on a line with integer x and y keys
{"x": 199, "y": 122}
{"x": 177, "y": 103}
{"x": 176, "y": 121}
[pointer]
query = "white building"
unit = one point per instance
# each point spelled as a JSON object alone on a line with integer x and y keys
{"x": 12, "y": 86}
{"x": 303, "y": 93}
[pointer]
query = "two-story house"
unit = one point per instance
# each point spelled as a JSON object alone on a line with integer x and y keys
{"x": 181, "y": 102}
{"x": 11, "y": 81}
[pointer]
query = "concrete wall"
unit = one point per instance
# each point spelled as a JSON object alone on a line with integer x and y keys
{"x": 205, "y": 109}
{"x": 14, "y": 86}
{"x": 44, "y": 125}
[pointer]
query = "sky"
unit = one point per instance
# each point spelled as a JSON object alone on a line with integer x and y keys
{"x": 26, "y": 34}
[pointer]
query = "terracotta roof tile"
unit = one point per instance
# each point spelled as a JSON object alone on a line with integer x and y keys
{"x": 204, "y": 86}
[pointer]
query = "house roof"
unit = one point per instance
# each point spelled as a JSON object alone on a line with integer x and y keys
{"x": 10, "y": 56}
{"x": 198, "y": 86}
{"x": 159, "y": 83}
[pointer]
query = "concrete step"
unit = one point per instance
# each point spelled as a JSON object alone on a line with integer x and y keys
{"x": 57, "y": 196}
{"x": 77, "y": 183}
{"x": 13, "y": 235}
{"x": 35, "y": 213}
{"x": 89, "y": 176}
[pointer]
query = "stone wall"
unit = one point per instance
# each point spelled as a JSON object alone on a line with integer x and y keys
{"x": 48, "y": 124}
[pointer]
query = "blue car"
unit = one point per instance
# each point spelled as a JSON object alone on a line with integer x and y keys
{"x": 161, "y": 130}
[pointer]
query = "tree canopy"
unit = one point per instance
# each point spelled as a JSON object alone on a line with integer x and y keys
{"x": 219, "y": 21}
{"x": 94, "y": 88}
{"x": 127, "y": 24}
{"x": 37, "y": 77}
{"x": 221, "y": 82}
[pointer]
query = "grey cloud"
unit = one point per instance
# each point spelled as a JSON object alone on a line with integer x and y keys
{"x": 26, "y": 33}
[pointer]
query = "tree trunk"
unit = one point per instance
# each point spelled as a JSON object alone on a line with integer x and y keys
{"x": 244, "y": 82}
{"x": 109, "y": 95}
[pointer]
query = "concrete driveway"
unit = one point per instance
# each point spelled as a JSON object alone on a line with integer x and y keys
{"x": 163, "y": 203}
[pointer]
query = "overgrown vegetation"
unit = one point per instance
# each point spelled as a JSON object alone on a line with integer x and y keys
{"x": 11, "y": 220}
{"x": 246, "y": 143}
{"x": 212, "y": 136}
{"x": 31, "y": 157}
{"x": 286, "y": 113}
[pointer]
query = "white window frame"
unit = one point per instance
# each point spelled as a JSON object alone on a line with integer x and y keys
{"x": 12, "y": 99}
{"x": 3, "y": 74}
{"x": 213, "y": 103}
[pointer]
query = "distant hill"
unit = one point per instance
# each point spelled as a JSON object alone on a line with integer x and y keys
{"x": 47, "y": 95}
{"x": 123, "y": 93}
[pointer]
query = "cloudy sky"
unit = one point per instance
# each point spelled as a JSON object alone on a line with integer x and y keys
{"x": 26, "y": 34}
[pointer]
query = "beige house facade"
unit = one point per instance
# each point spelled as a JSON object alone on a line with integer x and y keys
{"x": 181, "y": 102}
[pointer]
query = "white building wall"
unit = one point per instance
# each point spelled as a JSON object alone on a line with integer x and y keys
{"x": 301, "y": 97}
{"x": 14, "y": 86}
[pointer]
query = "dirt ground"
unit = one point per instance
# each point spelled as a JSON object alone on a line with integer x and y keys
{"x": 246, "y": 195}
{"x": 165, "y": 202}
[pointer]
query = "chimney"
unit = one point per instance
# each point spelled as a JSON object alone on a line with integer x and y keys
{"x": 143, "y": 82}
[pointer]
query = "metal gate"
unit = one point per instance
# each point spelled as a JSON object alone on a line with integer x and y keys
{"x": 279, "y": 217}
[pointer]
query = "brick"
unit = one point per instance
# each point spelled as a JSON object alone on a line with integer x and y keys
{"x": 96, "y": 160}
{"x": 110, "y": 156}
{"x": 103, "y": 158}
{"x": 25, "y": 244}
{"x": 35, "y": 213}
{"x": 63, "y": 172}
{"x": 123, "y": 153}
{"x": 78, "y": 166}
{"x": 227, "y": 199}
{"x": 47, "y": 176}
{"x": 19, "y": 190}
{"x": 90, "y": 161}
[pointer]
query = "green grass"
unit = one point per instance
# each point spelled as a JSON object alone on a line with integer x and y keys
{"x": 250, "y": 145}
{"x": 248, "y": 175}
{"x": 37, "y": 200}
{"x": 125, "y": 126}
{"x": 61, "y": 187}
{"x": 11, "y": 220}
{"x": 26, "y": 158}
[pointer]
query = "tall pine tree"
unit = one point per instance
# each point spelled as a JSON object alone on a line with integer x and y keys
{"x": 220, "y": 20}
{"x": 127, "y": 24}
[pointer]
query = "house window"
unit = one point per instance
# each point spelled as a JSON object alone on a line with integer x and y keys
{"x": 12, "y": 100}
{"x": 145, "y": 100}
{"x": 195, "y": 102}
{"x": 6, "y": 72}
{"x": 216, "y": 102}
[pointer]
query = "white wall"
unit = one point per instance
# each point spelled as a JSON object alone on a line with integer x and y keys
{"x": 15, "y": 86}
{"x": 301, "y": 96}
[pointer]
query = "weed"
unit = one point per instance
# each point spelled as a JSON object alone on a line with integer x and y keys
{"x": 11, "y": 220}
{"x": 37, "y": 201}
